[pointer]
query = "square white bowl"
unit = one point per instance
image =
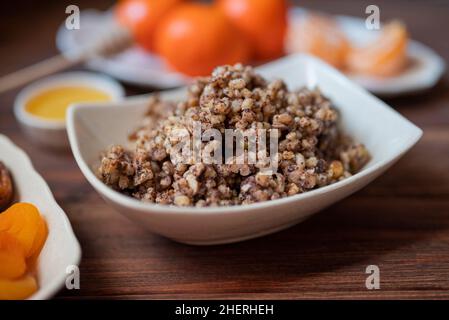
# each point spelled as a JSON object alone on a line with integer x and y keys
{"x": 386, "y": 134}
{"x": 61, "y": 248}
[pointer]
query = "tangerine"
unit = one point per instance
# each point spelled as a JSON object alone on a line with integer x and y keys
{"x": 386, "y": 56}
{"x": 142, "y": 18}
{"x": 263, "y": 22}
{"x": 195, "y": 38}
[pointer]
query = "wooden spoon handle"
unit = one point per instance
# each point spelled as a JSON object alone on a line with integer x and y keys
{"x": 38, "y": 70}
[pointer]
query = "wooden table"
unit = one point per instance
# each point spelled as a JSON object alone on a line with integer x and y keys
{"x": 400, "y": 222}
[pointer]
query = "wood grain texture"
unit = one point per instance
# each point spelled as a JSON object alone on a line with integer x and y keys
{"x": 400, "y": 222}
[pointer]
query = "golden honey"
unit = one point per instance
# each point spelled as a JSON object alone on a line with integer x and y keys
{"x": 52, "y": 103}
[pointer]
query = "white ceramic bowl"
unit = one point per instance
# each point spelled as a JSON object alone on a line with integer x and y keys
{"x": 50, "y": 132}
{"x": 61, "y": 248}
{"x": 386, "y": 134}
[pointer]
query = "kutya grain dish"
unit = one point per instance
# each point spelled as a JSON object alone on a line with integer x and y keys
{"x": 306, "y": 149}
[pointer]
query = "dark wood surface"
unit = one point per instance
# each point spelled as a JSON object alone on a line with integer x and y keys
{"x": 400, "y": 222}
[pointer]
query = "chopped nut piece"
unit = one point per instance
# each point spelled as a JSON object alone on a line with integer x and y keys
{"x": 182, "y": 201}
{"x": 336, "y": 168}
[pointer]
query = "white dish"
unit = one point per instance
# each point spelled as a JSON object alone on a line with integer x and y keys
{"x": 61, "y": 248}
{"x": 50, "y": 132}
{"x": 145, "y": 69}
{"x": 386, "y": 134}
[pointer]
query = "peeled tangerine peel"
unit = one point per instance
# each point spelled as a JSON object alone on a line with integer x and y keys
{"x": 320, "y": 36}
{"x": 23, "y": 221}
{"x": 386, "y": 56}
{"x": 17, "y": 289}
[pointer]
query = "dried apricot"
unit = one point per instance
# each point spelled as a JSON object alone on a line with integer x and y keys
{"x": 17, "y": 289}
{"x": 39, "y": 240}
{"x": 12, "y": 260}
{"x": 320, "y": 36}
{"x": 385, "y": 56}
{"x": 22, "y": 221}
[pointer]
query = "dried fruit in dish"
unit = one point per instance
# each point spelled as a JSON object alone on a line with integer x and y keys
{"x": 17, "y": 289}
{"x": 12, "y": 257}
{"x": 23, "y": 233}
{"x": 6, "y": 187}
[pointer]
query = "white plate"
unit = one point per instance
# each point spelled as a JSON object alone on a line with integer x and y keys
{"x": 141, "y": 68}
{"x": 61, "y": 248}
{"x": 386, "y": 134}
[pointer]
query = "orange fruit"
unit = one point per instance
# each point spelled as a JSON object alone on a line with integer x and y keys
{"x": 263, "y": 22}
{"x": 17, "y": 289}
{"x": 385, "y": 56}
{"x": 12, "y": 259}
{"x": 142, "y": 18}
{"x": 195, "y": 38}
{"x": 23, "y": 222}
{"x": 320, "y": 36}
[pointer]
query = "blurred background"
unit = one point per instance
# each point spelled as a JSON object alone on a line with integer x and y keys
{"x": 28, "y": 27}
{"x": 400, "y": 221}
